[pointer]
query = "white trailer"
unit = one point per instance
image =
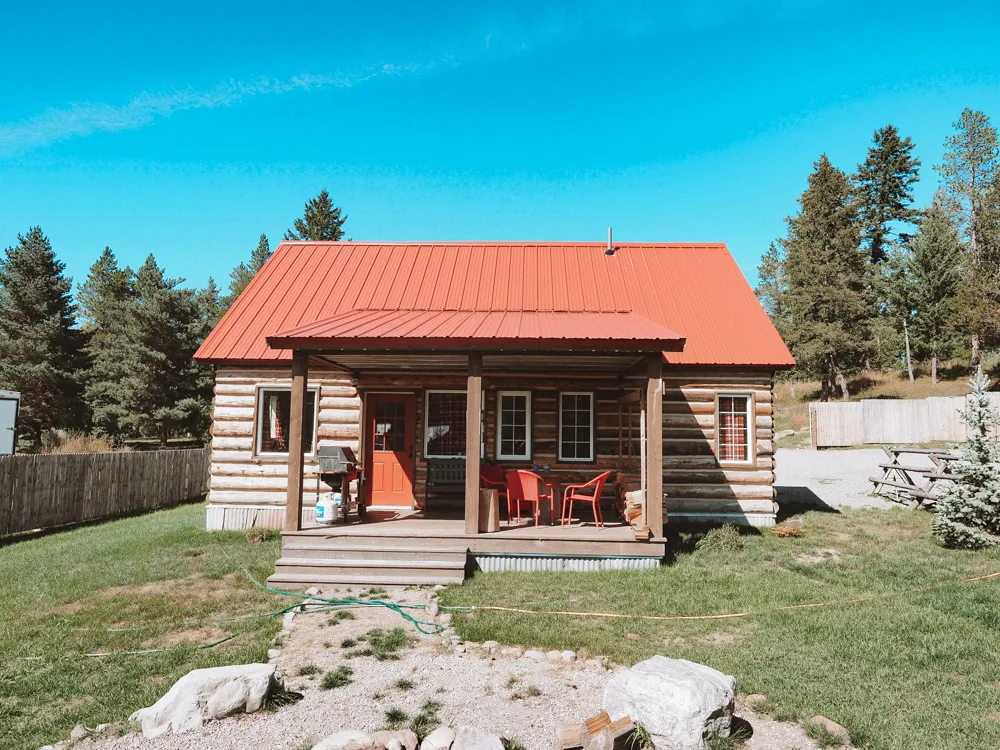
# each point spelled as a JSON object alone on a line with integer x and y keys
{"x": 10, "y": 402}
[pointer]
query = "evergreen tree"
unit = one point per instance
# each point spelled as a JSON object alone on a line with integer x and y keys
{"x": 244, "y": 272}
{"x": 969, "y": 171}
{"x": 892, "y": 286}
{"x": 977, "y": 302}
{"x": 934, "y": 261}
{"x": 884, "y": 187}
{"x": 322, "y": 221}
{"x": 968, "y": 512}
{"x": 41, "y": 350}
{"x": 828, "y": 298}
{"x": 209, "y": 304}
{"x": 163, "y": 393}
{"x": 771, "y": 286}
{"x": 105, "y": 300}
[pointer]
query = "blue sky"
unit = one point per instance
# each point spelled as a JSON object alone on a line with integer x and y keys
{"x": 187, "y": 131}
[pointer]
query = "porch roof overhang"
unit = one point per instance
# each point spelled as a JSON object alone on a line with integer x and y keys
{"x": 370, "y": 331}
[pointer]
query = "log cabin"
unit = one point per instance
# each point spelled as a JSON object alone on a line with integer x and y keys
{"x": 650, "y": 365}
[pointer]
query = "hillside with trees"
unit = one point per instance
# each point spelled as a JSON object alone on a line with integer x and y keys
{"x": 115, "y": 361}
{"x": 864, "y": 280}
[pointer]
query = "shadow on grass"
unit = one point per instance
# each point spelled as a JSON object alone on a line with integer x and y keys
{"x": 793, "y": 500}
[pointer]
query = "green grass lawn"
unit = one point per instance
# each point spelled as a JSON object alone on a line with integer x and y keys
{"x": 913, "y": 671}
{"x": 150, "y": 582}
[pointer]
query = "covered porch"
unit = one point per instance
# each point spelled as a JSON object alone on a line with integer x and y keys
{"x": 437, "y": 410}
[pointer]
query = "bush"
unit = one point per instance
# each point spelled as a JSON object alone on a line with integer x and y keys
{"x": 723, "y": 539}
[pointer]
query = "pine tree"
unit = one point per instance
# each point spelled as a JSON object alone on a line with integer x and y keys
{"x": 884, "y": 188}
{"x": 105, "y": 301}
{"x": 968, "y": 512}
{"x": 244, "y": 272}
{"x": 934, "y": 261}
{"x": 970, "y": 172}
{"x": 322, "y": 221}
{"x": 163, "y": 393}
{"x": 41, "y": 350}
{"x": 771, "y": 286}
{"x": 828, "y": 298}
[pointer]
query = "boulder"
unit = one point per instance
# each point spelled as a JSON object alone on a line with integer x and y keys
{"x": 568, "y": 657}
{"x": 491, "y": 645}
{"x": 682, "y": 704}
{"x": 206, "y": 694}
{"x": 603, "y": 740}
{"x": 470, "y": 738}
{"x": 348, "y": 739}
{"x": 554, "y": 656}
{"x": 433, "y": 608}
{"x": 406, "y": 738}
{"x": 534, "y": 655}
{"x": 79, "y": 732}
{"x": 440, "y": 739}
{"x": 512, "y": 651}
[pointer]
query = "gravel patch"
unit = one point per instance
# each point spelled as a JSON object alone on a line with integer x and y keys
{"x": 513, "y": 695}
{"x": 831, "y": 479}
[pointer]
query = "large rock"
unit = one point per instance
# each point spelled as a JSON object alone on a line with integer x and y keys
{"x": 470, "y": 738}
{"x": 206, "y": 694}
{"x": 440, "y": 739}
{"x": 682, "y": 704}
{"x": 406, "y": 738}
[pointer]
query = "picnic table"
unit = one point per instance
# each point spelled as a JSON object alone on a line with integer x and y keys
{"x": 916, "y": 485}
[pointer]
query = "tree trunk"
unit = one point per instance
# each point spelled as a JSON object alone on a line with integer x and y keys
{"x": 909, "y": 362}
{"x": 976, "y": 354}
{"x": 845, "y": 393}
{"x": 934, "y": 370}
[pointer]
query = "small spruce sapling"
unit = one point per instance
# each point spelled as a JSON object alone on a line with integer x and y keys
{"x": 968, "y": 513}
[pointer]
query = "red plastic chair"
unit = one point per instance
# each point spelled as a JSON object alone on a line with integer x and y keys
{"x": 492, "y": 477}
{"x": 572, "y": 494}
{"x": 523, "y": 487}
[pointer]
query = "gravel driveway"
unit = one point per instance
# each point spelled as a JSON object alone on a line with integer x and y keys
{"x": 830, "y": 478}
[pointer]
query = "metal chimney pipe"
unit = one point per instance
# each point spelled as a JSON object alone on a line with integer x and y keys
{"x": 611, "y": 246}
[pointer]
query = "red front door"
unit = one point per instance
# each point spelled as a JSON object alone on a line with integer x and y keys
{"x": 390, "y": 433}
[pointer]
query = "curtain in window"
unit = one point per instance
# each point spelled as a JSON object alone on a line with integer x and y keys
{"x": 733, "y": 428}
{"x": 274, "y": 420}
{"x": 445, "y": 424}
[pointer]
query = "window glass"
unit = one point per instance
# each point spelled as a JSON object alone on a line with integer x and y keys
{"x": 273, "y": 419}
{"x": 445, "y": 424}
{"x": 734, "y": 432}
{"x": 576, "y": 420}
{"x": 390, "y": 426}
{"x": 514, "y": 425}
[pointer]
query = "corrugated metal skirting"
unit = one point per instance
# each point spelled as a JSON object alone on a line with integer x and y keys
{"x": 536, "y": 563}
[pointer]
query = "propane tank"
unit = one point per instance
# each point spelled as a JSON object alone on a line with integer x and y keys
{"x": 325, "y": 508}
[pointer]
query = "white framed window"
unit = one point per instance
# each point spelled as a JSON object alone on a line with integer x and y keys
{"x": 514, "y": 425}
{"x": 576, "y": 426}
{"x": 274, "y": 404}
{"x": 734, "y": 427}
{"x": 444, "y": 424}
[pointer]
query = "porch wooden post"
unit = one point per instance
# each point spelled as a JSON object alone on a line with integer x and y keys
{"x": 473, "y": 429}
{"x": 296, "y": 441}
{"x": 654, "y": 445}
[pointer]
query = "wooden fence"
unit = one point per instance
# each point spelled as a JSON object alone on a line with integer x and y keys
{"x": 41, "y": 491}
{"x": 889, "y": 421}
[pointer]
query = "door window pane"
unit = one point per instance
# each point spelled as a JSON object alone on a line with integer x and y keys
{"x": 390, "y": 426}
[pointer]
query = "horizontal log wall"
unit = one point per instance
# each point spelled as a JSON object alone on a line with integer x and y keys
{"x": 247, "y": 489}
{"x": 696, "y": 486}
{"x": 43, "y": 491}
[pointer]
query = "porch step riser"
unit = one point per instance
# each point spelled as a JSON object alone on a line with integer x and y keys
{"x": 374, "y": 552}
{"x": 369, "y": 578}
{"x": 354, "y": 569}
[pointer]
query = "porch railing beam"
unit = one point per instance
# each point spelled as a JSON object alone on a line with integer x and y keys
{"x": 296, "y": 441}
{"x": 654, "y": 445}
{"x": 473, "y": 432}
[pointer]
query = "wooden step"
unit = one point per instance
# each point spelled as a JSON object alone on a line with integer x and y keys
{"x": 371, "y": 551}
{"x": 333, "y": 578}
{"x": 314, "y": 565}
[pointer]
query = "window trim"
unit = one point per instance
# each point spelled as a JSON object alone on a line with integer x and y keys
{"x": 427, "y": 414}
{"x": 259, "y": 413}
{"x": 500, "y": 456}
{"x": 751, "y": 458}
{"x": 593, "y": 427}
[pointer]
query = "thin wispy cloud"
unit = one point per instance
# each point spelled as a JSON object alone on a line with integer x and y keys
{"x": 86, "y": 118}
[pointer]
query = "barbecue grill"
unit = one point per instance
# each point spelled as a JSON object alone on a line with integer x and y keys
{"x": 338, "y": 466}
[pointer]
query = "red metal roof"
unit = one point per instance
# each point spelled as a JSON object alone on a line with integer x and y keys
{"x": 489, "y": 329}
{"x": 696, "y": 290}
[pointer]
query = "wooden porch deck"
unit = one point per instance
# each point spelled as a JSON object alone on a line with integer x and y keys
{"x": 405, "y": 548}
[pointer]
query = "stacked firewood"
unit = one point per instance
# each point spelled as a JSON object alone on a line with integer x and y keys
{"x": 632, "y": 512}
{"x": 596, "y": 733}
